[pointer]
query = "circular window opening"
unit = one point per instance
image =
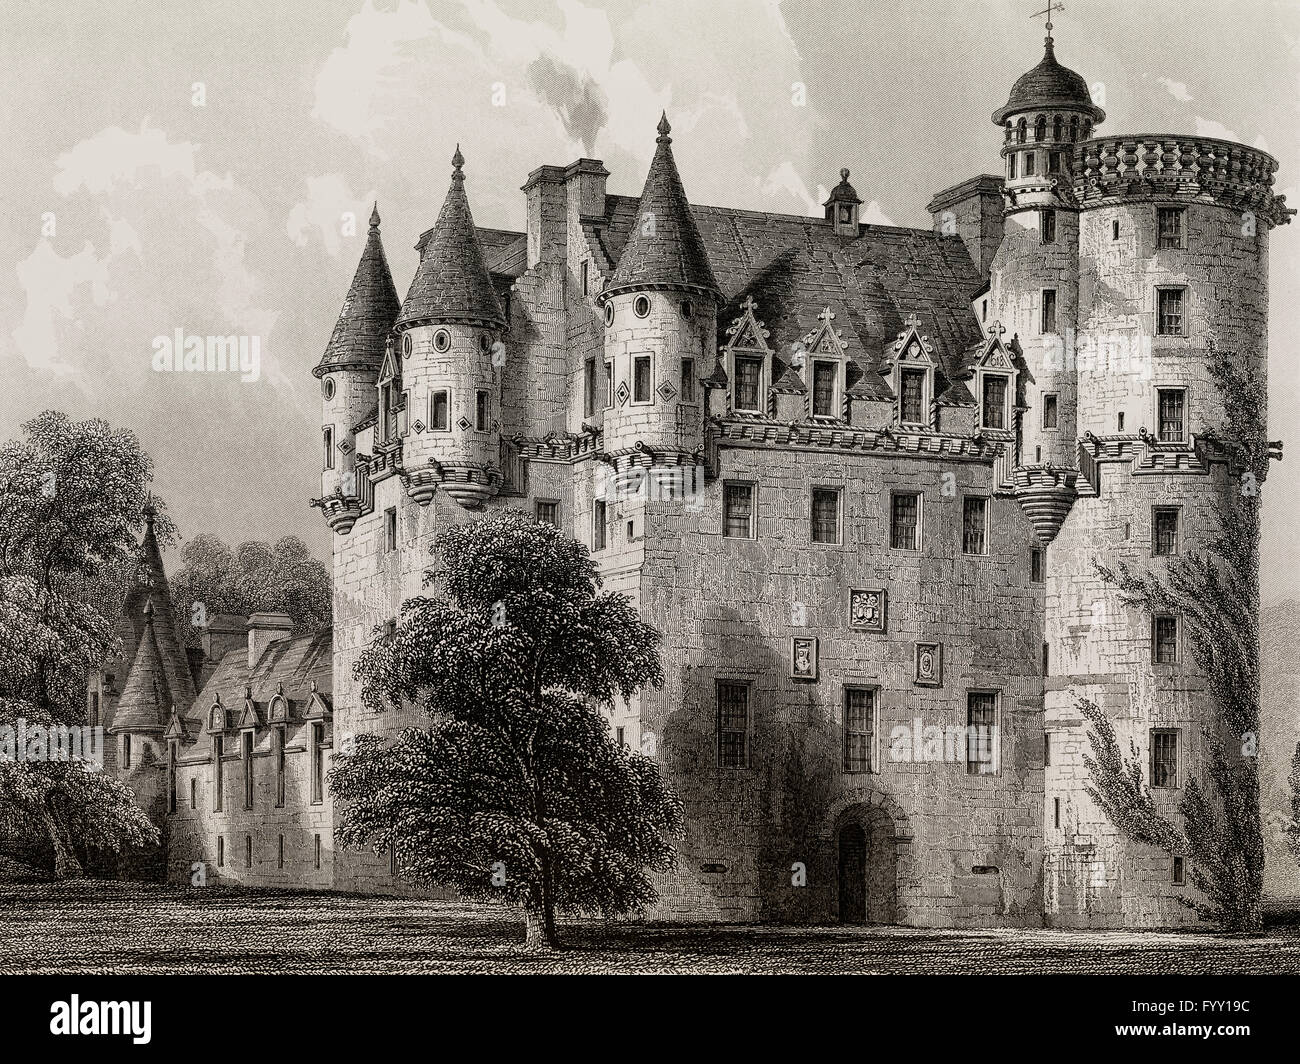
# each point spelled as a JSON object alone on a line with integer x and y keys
{"x": 406, "y": 345}
{"x": 687, "y": 309}
{"x": 609, "y": 313}
{"x": 641, "y": 307}
{"x": 327, "y": 387}
{"x": 441, "y": 340}
{"x": 484, "y": 342}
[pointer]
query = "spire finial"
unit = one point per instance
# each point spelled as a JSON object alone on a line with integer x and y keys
{"x": 149, "y": 511}
{"x": 844, "y": 173}
{"x": 1051, "y": 7}
{"x": 457, "y": 161}
{"x": 664, "y": 128}
{"x": 148, "y": 610}
{"x": 374, "y": 215}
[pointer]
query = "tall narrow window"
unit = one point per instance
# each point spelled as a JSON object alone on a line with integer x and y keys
{"x": 912, "y": 401}
{"x": 749, "y": 375}
{"x": 279, "y": 857}
{"x": 440, "y": 411}
{"x": 548, "y": 512}
{"x": 1040, "y": 128}
{"x": 329, "y": 446}
{"x": 1178, "y": 871}
{"x": 859, "y": 729}
{"x": 218, "y": 771}
{"x": 1164, "y": 757}
{"x": 584, "y": 277}
{"x": 171, "y": 776}
{"x": 598, "y": 525}
{"x": 221, "y": 851}
{"x": 733, "y": 724}
{"x": 1011, "y": 165}
{"x": 1169, "y": 312}
{"x": 126, "y": 751}
{"x": 1164, "y": 639}
{"x": 94, "y": 708}
{"x": 1171, "y": 415}
{"x": 1047, "y": 224}
{"x": 825, "y": 515}
{"x": 904, "y": 520}
{"x": 1056, "y": 812}
{"x": 974, "y": 525}
{"x": 390, "y": 529}
{"x": 688, "y": 380}
{"x": 1114, "y": 229}
{"x": 1036, "y": 567}
{"x": 823, "y": 397}
{"x": 281, "y": 741}
{"x": 738, "y": 511}
{"x": 588, "y": 385}
{"x": 246, "y": 756}
{"x": 994, "y": 406}
{"x": 981, "y": 733}
{"x": 1053, "y": 166}
{"x": 1048, "y": 323}
{"x": 385, "y": 412}
{"x": 194, "y": 792}
{"x": 317, "y": 762}
{"x": 317, "y": 847}
{"x": 1164, "y": 539}
{"x": 641, "y": 379}
{"x": 1049, "y": 411}
{"x": 482, "y": 411}
{"x": 1170, "y": 221}
{"x": 1029, "y": 163}
{"x": 248, "y": 851}
{"x": 609, "y": 385}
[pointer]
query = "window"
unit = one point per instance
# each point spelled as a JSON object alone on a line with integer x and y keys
{"x": 329, "y": 446}
{"x": 386, "y": 420}
{"x": 974, "y": 525}
{"x": 126, "y": 751}
{"x": 1119, "y": 421}
{"x": 609, "y": 314}
{"x": 440, "y": 411}
{"x": 912, "y": 401}
{"x": 825, "y": 515}
{"x": 279, "y": 860}
{"x": 688, "y": 380}
{"x": 1011, "y": 163}
{"x": 194, "y": 792}
{"x": 281, "y": 741}
{"x": 1046, "y": 659}
{"x": 248, "y": 851}
{"x": 317, "y": 851}
{"x": 738, "y": 511}
{"x": 1048, "y": 322}
{"x": 733, "y": 724}
{"x": 390, "y": 529}
{"x": 859, "y": 729}
{"x": 218, "y": 771}
{"x": 687, "y": 308}
{"x": 1164, "y": 639}
{"x": 1047, "y": 752}
{"x": 246, "y": 754}
{"x": 904, "y": 520}
{"x": 1047, "y": 225}
{"x": 1029, "y": 163}
{"x": 823, "y": 390}
{"x": 984, "y": 310}
{"x": 94, "y": 708}
{"x": 588, "y": 386}
{"x": 641, "y": 379}
{"x": 981, "y": 733}
{"x": 221, "y": 851}
{"x": 404, "y": 414}
{"x": 618, "y": 738}
{"x": 327, "y": 387}
{"x": 482, "y": 411}
{"x": 1022, "y": 128}
{"x": 1056, "y": 812}
{"x": 1040, "y": 128}
{"x": 1049, "y": 411}
{"x": 1178, "y": 871}
{"x": 317, "y": 762}
{"x": 584, "y": 277}
{"x": 1169, "y": 312}
{"x": 609, "y": 385}
{"x": 994, "y": 409}
{"x": 1169, "y": 222}
{"x": 1171, "y": 414}
{"x": 1114, "y": 229}
{"x": 1164, "y": 530}
{"x": 749, "y": 376}
{"x": 641, "y": 306}
{"x": 1053, "y": 162}
{"x": 171, "y": 777}
{"x": 1074, "y": 128}
{"x": 1164, "y": 757}
{"x": 1036, "y": 567}
{"x": 548, "y": 512}
{"x": 598, "y": 525}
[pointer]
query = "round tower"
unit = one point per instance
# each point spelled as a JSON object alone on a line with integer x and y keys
{"x": 449, "y": 338}
{"x": 660, "y": 323}
{"x": 348, "y": 372}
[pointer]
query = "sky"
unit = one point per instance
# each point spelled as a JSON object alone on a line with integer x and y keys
{"x": 211, "y": 171}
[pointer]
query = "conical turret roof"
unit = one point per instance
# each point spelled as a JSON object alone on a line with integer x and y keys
{"x": 452, "y": 282}
{"x": 369, "y": 310}
{"x": 665, "y": 248}
{"x": 146, "y": 699}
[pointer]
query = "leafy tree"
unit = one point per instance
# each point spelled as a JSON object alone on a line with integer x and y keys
{"x": 1215, "y": 592}
{"x": 72, "y": 495}
{"x": 1293, "y": 827}
{"x": 517, "y": 791}
{"x": 254, "y": 576}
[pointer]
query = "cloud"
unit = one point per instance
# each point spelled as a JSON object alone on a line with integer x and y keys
{"x": 1176, "y": 89}
{"x": 576, "y": 98}
{"x": 51, "y": 283}
{"x": 332, "y": 211}
{"x": 1208, "y": 128}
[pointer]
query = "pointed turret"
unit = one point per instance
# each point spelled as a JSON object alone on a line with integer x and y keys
{"x": 146, "y": 700}
{"x": 452, "y": 283}
{"x": 368, "y": 312}
{"x": 665, "y": 248}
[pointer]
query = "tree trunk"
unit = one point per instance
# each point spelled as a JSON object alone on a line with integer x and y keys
{"x": 539, "y": 920}
{"x": 66, "y": 864}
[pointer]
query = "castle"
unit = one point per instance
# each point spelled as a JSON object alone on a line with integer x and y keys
{"x": 859, "y": 477}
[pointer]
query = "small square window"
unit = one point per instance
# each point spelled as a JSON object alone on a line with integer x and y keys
{"x": 905, "y": 521}
{"x": 548, "y": 512}
{"x": 825, "y": 515}
{"x": 1164, "y": 530}
{"x": 738, "y": 511}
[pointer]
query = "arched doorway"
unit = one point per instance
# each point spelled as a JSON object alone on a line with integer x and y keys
{"x": 853, "y": 874}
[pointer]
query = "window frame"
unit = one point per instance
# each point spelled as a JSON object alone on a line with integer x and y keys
{"x": 984, "y": 377}
{"x": 648, "y": 359}
{"x": 1156, "y": 643}
{"x": 760, "y": 390}
{"x": 966, "y": 500}
{"x": 752, "y": 487}
{"x": 1043, "y": 329}
{"x": 599, "y": 525}
{"x": 1047, "y": 222}
{"x": 838, "y": 493}
{"x": 1176, "y": 210}
{"x": 1161, "y": 391}
{"x": 390, "y": 530}
{"x": 1156, "y": 513}
{"x": 894, "y": 495}
{"x": 327, "y": 432}
{"x": 818, "y": 365}
{"x": 1168, "y": 289}
{"x": 1176, "y": 735}
{"x": 747, "y": 686}
{"x": 996, "y": 762}
{"x": 924, "y": 375}
{"x": 589, "y": 385}
{"x": 872, "y": 733}
{"x": 537, "y": 511}
{"x": 686, "y": 384}
{"x": 1052, "y": 402}
{"x": 433, "y": 406}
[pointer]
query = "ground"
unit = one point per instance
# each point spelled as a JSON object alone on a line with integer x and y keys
{"x": 92, "y": 927}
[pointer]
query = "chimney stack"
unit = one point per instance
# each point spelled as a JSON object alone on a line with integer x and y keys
{"x": 263, "y": 630}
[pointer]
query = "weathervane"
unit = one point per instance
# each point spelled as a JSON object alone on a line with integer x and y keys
{"x": 1048, "y": 12}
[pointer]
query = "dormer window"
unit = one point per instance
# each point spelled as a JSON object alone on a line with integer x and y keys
{"x": 748, "y": 383}
{"x": 386, "y": 420}
{"x": 825, "y": 388}
{"x": 993, "y": 402}
{"x": 912, "y": 397}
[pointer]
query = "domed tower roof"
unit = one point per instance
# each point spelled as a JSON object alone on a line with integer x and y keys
{"x": 145, "y": 702}
{"x": 843, "y": 192}
{"x": 665, "y": 249}
{"x": 452, "y": 281}
{"x": 1049, "y": 85}
{"x": 368, "y": 312}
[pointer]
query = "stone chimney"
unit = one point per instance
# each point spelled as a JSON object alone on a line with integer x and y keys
{"x": 224, "y": 632}
{"x": 585, "y": 181}
{"x": 263, "y": 630}
{"x": 546, "y": 224}
{"x": 972, "y": 210}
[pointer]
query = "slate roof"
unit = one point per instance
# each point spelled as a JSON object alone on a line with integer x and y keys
{"x": 452, "y": 282}
{"x": 146, "y": 699}
{"x": 665, "y": 247}
{"x": 1049, "y": 85}
{"x": 368, "y": 313}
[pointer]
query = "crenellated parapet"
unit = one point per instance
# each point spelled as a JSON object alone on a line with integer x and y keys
{"x": 1161, "y": 164}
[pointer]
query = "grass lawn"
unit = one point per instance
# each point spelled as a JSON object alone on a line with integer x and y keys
{"x": 92, "y": 927}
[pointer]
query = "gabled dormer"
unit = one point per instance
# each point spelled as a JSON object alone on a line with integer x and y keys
{"x": 995, "y": 382}
{"x": 910, "y": 366}
{"x": 250, "y": 717}
{"x": 825, "y": 368}
{"x": 279, "y": 711}
{"x": 218, "y": 718}
{"x": 389, "y": 384}
{"x": 318, "y": 705}
{"x": 747, "y": 360}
